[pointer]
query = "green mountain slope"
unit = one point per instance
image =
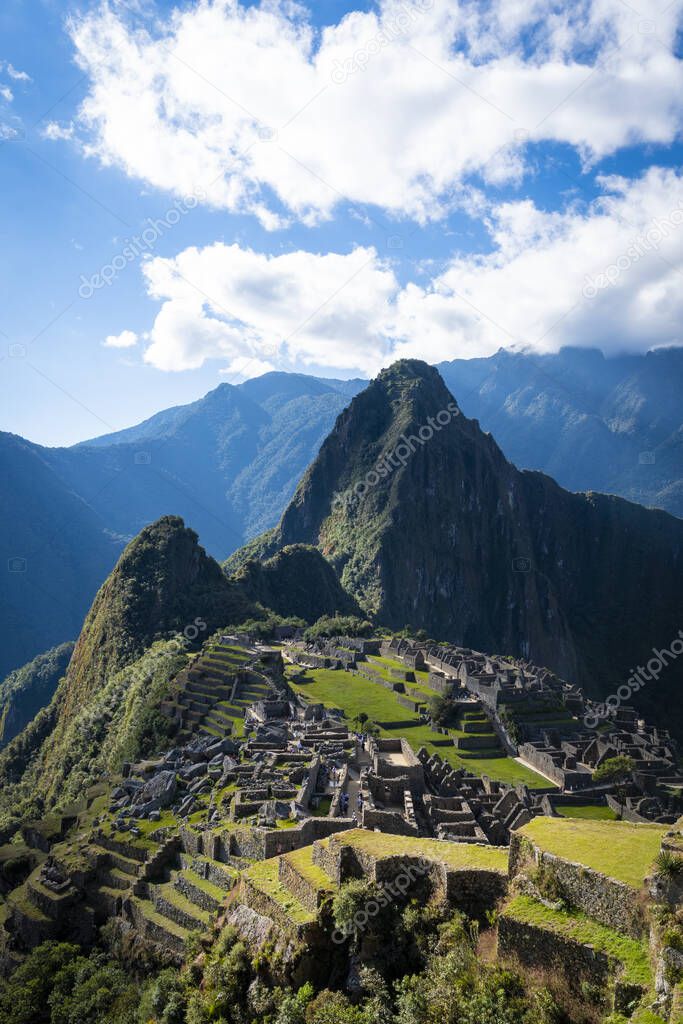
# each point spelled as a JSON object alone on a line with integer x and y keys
{"x": 297, "y": 581}
{"x": 163, "y": 586}
{"x": 164, "y": 593}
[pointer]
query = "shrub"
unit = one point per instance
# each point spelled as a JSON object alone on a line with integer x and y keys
{"x": 668, "y": 865}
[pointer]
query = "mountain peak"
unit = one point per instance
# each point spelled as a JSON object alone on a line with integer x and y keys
{"x": 425, "y": 521}
{"x": 409, "y": 371}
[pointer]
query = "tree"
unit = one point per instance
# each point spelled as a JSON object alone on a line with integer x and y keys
{"x": 24, "y": 997}
{"x": 338, "y": 625}
{"x": 293, "y": 1006}
{"x": 440, "y": 709}
{"x": 614, "y": 769}
{"x": 330, "y": 1007}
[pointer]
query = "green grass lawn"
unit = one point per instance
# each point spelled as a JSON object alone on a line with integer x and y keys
{"x": 455, "y": 855}
{"x": 616, "y": 848}
{"x": 355, "y": 694}
{"x": 388, "y": 662}
{"x": 264, "y": 876}
{"x": 632, "y": 953}
{"x": 591, "y": 812}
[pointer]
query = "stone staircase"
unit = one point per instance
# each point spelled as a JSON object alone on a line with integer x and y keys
{"x": 215, "y": 692}
{"x": 186, "y": 898}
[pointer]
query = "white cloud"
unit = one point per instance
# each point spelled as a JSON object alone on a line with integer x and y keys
{"x": 396, "y": 107}
{"x": 126, "y": 339}
{"x": 245, "y": 368}
{"x": 228, "y": 302}
{"x": 18, "y": 76}
{"x": 6, "y": 93}
{"x": 54, "y": 131}
{"x": 607, "y": 275}
{"x": 11, "y": 132}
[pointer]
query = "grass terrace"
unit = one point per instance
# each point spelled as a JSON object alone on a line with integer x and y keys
{"x": 455, "y": 855}
{"x": 631, "y": 953}
{"x": 264, "y": 876}
{"x": 588, "y": 812}
{"x": 619, "y": 849}
{"x": 302, "y": 862}
{"x": 355, "y": 694}
{"x": 352, "y": 694}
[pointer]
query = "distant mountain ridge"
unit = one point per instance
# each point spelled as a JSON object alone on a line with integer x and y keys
{"x": 227, "y": 464}
{"x": 592, "y": 423}
{"x": 230, "y": 462}
{"x": 454, "y": 539}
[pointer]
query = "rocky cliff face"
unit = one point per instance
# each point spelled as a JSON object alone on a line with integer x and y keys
{"x": 427, "y": 523}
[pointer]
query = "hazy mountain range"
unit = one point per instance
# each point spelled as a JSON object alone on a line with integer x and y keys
{"x": 230, "y": 462}
{"x": 227, "y": 464}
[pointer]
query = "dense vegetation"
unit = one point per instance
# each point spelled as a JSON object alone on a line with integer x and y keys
{"x": 425, "y": 970}
{"x": 338, "y": 625}
{"x": 296, "y": 581}
{"x": 164, "y": 596}
{"x": 28, "y": 689}
{"x": 120, "y": 722}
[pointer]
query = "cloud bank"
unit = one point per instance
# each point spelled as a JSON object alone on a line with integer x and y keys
{"x": 398, "y": 108}
{"x": 608, "y": 276}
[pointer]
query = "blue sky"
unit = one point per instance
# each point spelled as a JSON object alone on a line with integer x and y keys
{"x": 440, "y": 179}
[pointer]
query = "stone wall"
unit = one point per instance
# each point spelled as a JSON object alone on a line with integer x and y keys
{"x": 475, "y": 890}
{"x": 501, "y": 732}
{"x": 260, "y": 902}
{"x": 150, "y": 930}
{"x": 170, "y": 910}
{"x": 410, "y": 703}
{"x": 387, "y": 821}
{"x": 262, "y": 843}
{"x": 197, "y": 895}
{"x": 607, "y": 901}
{"x": 304, "y": 795}
{"x": 307, "y": 894}
{"x": 471, "y": 890}
{"x": 211, "y": 870}
{"x": 545, "y": 950}
{"x": 336, "y": 799}
{"x": 441, "y": 683}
